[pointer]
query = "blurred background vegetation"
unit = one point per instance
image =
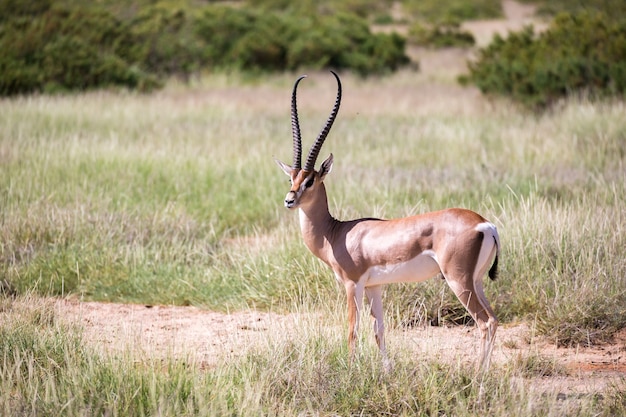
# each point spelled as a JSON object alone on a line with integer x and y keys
{"x": 60, "y": 45}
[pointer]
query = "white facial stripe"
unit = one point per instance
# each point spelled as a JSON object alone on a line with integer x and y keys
{"x": 305, "y": 182}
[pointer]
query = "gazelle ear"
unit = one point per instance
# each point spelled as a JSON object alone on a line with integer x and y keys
{"x": 326, "y": 166}
{"x": 286, "y": 168}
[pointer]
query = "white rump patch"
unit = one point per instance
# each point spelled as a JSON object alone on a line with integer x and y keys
{"x": 489, "y": 229}
{"x": 490, "y": 246}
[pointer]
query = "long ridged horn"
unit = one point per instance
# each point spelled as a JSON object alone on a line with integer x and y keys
{"x": 317, "y": 146}
{"x": 295, "y": 127}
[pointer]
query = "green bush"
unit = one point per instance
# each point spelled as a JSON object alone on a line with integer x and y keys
{"x": 61, "y": 48}
{"x": 163, "y": 41}
{"x": 356, "y": 48}
{"x": 441, "y": 10}
{"x": 613, "y": 9}
{"x": 262, "y": 47}
{"x": 367, "y": 9}
{"x": 23, "y": 8}
{"x": 578, "y": 53}
{"x": 442, "y": 35}
{"x": 220, "y": 28}
{"x": 251, "y": 40}
{"x": 64, "y": 49}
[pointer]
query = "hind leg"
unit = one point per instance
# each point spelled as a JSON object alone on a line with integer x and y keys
{"x": 488, "y": 329}
{"x": 487, "y": 254}
{"x": 463, "y": 267}
{"x": 471, "y": 295}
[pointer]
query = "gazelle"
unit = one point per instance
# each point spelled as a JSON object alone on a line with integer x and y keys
{"x": 367, "y": 253}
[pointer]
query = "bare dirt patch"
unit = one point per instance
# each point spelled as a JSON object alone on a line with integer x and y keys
{"x": 209, "y": 338}
{"x": 516, "y": 17}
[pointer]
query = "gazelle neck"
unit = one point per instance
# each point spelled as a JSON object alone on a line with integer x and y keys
{"x": 316, "y": 222}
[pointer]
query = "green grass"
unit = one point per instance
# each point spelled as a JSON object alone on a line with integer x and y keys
{"x": 173, "y": 198}
{"x": 49, "y": 370}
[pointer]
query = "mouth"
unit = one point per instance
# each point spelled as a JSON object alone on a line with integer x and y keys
{"x": 291, "y": 200}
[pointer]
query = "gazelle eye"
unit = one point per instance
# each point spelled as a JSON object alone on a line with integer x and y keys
{"x": 309, "y": 183}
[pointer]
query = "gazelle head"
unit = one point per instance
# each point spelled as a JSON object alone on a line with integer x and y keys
{"x": 305, "y": 180}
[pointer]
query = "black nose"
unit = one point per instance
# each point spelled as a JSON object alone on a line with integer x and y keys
{"x": 290, "y": 199}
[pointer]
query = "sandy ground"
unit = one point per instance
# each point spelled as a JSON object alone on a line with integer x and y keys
{"x": 516, "y": 16}
{"x": 210, "y": 338}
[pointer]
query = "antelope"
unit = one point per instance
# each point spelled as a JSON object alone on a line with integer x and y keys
{"x": 366, "y": 254}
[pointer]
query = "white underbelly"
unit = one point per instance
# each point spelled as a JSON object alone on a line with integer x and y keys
{"x": 420, "y": 268}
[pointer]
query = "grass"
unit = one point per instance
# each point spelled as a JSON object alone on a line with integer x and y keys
{"x": 173, "y": 198}
{"x": 48, "y": 369}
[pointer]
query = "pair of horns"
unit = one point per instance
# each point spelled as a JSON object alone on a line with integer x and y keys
{"x": 295, "y": 126}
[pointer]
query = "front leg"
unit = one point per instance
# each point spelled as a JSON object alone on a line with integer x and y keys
{"x": 354, "y": 296}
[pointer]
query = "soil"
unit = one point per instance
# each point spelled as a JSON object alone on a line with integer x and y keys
{"x": 516, "y": 16}
{"x": 209, "y": 338}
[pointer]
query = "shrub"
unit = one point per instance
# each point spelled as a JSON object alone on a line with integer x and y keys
{"x": 613, "y": 9}
{"x": 366, "y": 9}
{"x": 23, "y": 8}
{"x": 220, "y": 28}
{"x": 250, "y": 40}
{"x": 582, "y": 52}
{"x": 59, "y": 48}
{"x": 317, "y": 50}
{"x": 441, "y": 10}
{"x": 64, "y": 49}
{"x": 362, "y": 51}
{"x": 163, "y": 41}
{"x": 262, "y": 47}
{"x": 442, "y": 35}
